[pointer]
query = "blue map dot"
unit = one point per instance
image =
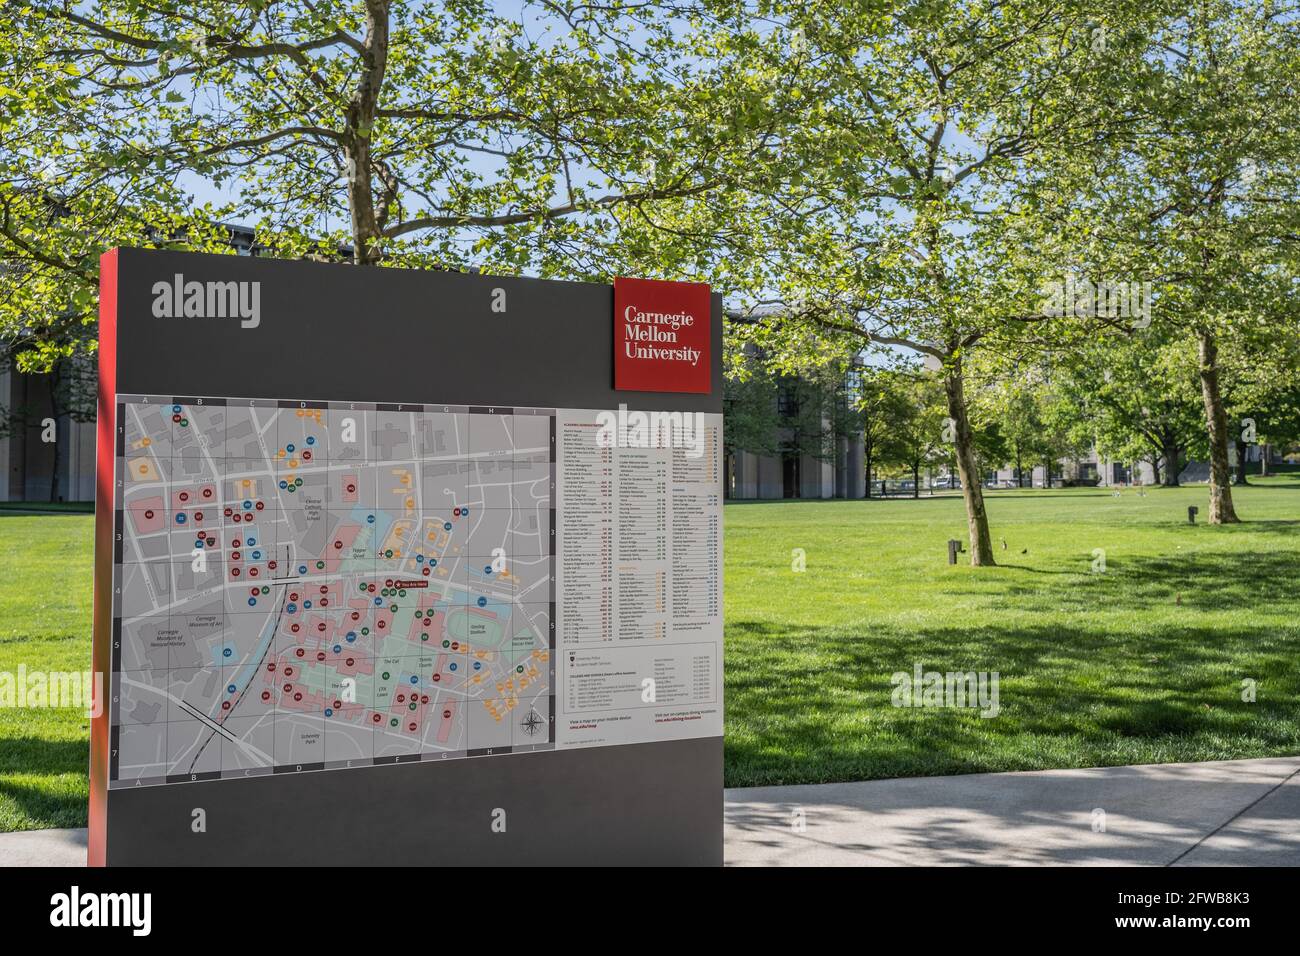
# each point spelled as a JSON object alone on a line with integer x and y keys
{"x": 180, "y": 519}
{"x": 311, "y": 440}
{"x": 452, "y": 666}
{"x": 226, "y": 652}
{"x": 370, "y": 519}
{"x": 329, "y": 711}
{"x": 482, "y": 602}
{"x": 302, "y": 569}
{"x": 290, "y": 608}
{"x": 252, "y": 602}
{"x": 447, "y": 526}
{"x": 351, "y": 636}
{"x": 231, "y": 689}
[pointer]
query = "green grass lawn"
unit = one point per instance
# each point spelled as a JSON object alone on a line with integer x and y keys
{"x": 45, "y": 564}
{"x": 1143, "y": 663}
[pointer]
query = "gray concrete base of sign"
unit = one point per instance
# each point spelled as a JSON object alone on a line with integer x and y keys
{"x": 1226, "y": 813}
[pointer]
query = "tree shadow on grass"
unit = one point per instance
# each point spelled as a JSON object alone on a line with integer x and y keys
{"x": 813, "y": 704}
{"x": 45, "y": 803}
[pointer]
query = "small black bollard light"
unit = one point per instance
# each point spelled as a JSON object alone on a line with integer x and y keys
{"x": 1192, "y": 512}
{"x": 954, "y": 549}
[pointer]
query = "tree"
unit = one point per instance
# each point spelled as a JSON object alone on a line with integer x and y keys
{"x": 545, "y": 137}
{"x": 918, "y": 411}
{"x": 1140, "y": 396}
{"x": 900, "y": 236}
{"x": 1199, "y": 197}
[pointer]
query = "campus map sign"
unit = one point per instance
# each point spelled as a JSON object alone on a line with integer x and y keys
{"x": 445, "y": 545}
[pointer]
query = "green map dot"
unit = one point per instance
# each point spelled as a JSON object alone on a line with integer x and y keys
{"x": 446, "y": 643}
{"x": 393, "y": 608}
{"x": 384, "y": 675}
{"x": 365, "y": 630}
{"x": 402, "y": 593}
{"x": 519, "y": 669}
{"x": 363, "y": 585}
{"x": 393, "y": 722}
{"x": 424, "y": 637}
{"x": 319, "y": 565}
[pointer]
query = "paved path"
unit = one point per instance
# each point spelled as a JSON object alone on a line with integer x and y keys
{"x": 1232, "y": 812}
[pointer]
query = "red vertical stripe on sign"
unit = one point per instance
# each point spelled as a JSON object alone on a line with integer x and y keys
{"x": 105, "y": 500}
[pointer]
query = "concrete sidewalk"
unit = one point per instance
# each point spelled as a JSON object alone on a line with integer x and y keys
{"x": 1232, "y": 812}
{"x": 1227, "y": 813}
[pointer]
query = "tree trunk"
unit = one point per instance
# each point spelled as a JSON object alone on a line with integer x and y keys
{"x": 977, "y": 522}
{"x": 1155, "y": 469}
{"x": 916, "y": 479}
{"x": 1020, "y": 473}
{"x": 867, "y": 461}
{"x": 1216, "y": 421}
{"x": 1047, "y": 472}
{"x": 366, "y": 221}
{"x": 1241, "y": 464}
{"x": 1172, "y": 453}
{"x": 1264, "y": 450}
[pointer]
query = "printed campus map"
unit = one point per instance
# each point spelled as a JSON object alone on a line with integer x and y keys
{"x": 312, "y": 585}
{"x": 320, "y": 585}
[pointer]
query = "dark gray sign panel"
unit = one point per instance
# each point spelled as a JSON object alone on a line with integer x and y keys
{"x": 388, "y": 570}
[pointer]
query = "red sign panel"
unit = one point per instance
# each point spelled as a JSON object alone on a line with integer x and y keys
{"x": 662, "y": 336}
